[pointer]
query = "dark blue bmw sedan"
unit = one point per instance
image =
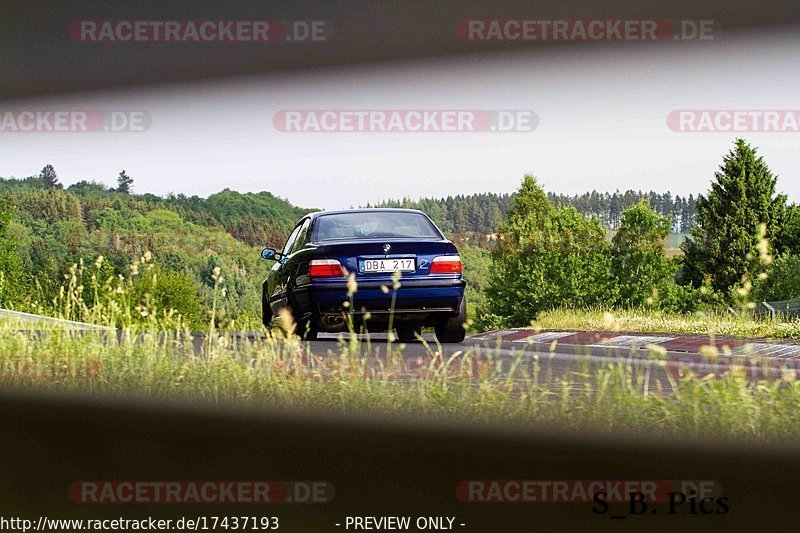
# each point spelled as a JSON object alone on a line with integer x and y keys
{"x": 407, "y": 274}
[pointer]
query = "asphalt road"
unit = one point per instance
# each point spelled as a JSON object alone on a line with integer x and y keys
{"x": 549, "y": 365}
{"x": 558, "y": 362}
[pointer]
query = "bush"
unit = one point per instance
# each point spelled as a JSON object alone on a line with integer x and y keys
{"x": 644, "y": 275}
{"x": 548, "y": 258}
{"x": 477, "y": 266}
{"x": 164, "y": 291}
{"x": 783, "y": 281}
{"x": 674, "y": 298}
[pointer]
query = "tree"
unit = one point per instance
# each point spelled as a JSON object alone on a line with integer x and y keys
{"x": 643, "y": 273}
{"x": 50, "y": 178}
{"x": 530, "y": 207}
{"x": 124, "y": 183}
{"x": 685, "y": 225}
{"x": 783, "y": 282}
{"x": 547, "y": 257}
{"x": 87, "y": 188}
{"x": 724, "y": 239}
{"x": 790, "y": 237}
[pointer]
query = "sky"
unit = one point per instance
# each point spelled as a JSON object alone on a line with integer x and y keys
{"x": 602, "y": 124}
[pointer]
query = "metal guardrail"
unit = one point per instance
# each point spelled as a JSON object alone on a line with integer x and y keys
{"x": 41, "y": 319}
{"x": 785, "y": 309}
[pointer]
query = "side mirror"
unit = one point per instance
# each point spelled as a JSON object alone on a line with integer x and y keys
{"x": 271, "y": 254}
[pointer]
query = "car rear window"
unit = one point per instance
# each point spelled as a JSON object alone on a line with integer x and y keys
{"x": 377, "y": 225}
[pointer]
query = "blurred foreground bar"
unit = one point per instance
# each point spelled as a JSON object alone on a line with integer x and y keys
{"x": 379, "y": 466}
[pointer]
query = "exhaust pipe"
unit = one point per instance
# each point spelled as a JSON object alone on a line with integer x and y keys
{"x": 334, "y": 320}
{"x": 333, "y": 323}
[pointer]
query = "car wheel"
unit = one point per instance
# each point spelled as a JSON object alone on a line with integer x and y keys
{"x": 307, "y": 331}
{"x": 266, "y": 312}
{"x": 451, "y": 329}
{"x": 408, "y": 333}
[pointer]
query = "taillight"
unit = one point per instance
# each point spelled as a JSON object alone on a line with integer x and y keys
{"x": 325, "y": 268}
{"x": 446, "y": 264}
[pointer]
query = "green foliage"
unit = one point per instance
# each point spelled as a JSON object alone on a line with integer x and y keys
{"x": 641, "y": 231}
{"x": 645, "y": 277}
{"x": 477, "y": 268}
{"x": 18, "y": 185}
{"x": 278, "y": 372}
{"x": 12, "y": 275}
{"x": 790, "y": 237}
{"x": 707, "y": 322}
{"x": 547, "y": 258}
{"x": 724, "y": 243}
{"x": 48, "y": 205}
{"x": 158, "y": 290}
{"x": 782, "y": 282}
{"x": 257, "y": 219}
{"x": 88, "y": 188}
{"x": 461, "y": 215}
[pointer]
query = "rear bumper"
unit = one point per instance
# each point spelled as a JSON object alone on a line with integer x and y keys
{"x": 416, "y": 298}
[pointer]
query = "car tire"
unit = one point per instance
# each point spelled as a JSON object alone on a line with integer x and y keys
{"x": 408, "y": 332}
{"x": 307, "y": 331}
{"x": 266, "y": 311}
{"x": 451, "y": 329}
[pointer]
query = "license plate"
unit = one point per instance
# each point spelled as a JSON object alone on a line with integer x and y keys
{"x": 387, "y": 265}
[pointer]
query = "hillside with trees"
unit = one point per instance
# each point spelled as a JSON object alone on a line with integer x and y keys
{"x": 45, "y": 229}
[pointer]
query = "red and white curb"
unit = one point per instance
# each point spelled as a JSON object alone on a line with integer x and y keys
{"x": 690, "y": 344}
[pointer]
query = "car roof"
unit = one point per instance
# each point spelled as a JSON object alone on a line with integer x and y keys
{"x": 367, "y": 210}
{"x": 318, "y": 214}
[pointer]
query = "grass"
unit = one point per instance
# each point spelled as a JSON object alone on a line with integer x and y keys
{"x": 278, "y": 371}
{"x": 154, "y": 355}
{"x": 642, "y": 321}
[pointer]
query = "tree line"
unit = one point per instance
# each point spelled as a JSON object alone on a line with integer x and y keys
{"x": 484, "y": 213}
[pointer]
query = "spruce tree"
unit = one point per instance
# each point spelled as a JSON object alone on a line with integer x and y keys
{"x": 743, "y": 196}
{"x": 50, "y": 178}
{"x": 124, "y": 183}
